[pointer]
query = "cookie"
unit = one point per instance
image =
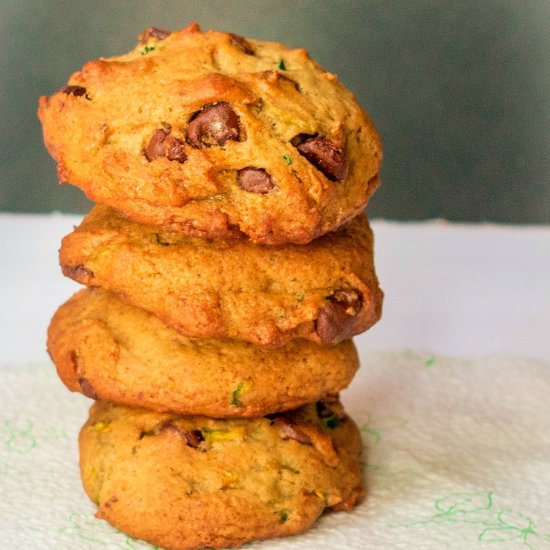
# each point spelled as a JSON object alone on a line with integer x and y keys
{"x": 108, "y": 350}
{"x": 325, "y": 291}
{"x": 182, "y": 482}
{"x": 212, "y": 134}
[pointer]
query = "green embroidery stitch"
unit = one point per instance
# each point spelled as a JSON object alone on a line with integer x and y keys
{"x": 498, "y": 525}
{"x": 86, "y": 528}
{"x": 17, "y": 436}
{"x": 375, "y": 427}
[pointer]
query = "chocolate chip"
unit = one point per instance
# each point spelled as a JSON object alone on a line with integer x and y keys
{"x": 193, "y": 438}
{"x": 289, "y": 430}
{"x": 324, "y": 154}
{"x": 214, "y": 124}
{"x": 322, "y": 410}
{"x": 155, "y": 147}
{"x": 87, "y": 388}
{"x": 77, "y": 91}
{"x": 255, "y": 180}
{"x": 337, "y": 318}
{"x": 241, "y": 43}
{"x": 153, "y": 32}
{"x": 162, "y": 144}
{"x": 78, "y": 273}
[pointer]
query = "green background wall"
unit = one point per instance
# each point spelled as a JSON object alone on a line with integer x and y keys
{"x": 460, "y": 91}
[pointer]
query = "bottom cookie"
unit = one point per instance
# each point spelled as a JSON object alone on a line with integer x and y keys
{"x": 183, "y": 482}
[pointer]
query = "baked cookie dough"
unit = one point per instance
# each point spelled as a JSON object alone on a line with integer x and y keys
{"x": 192, "y": 482}
{"x": 212, "y": 134}
{"x": 111, "y": 351}
{"x": 325, "y": 291}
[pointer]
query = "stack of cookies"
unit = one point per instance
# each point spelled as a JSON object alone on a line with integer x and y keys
{"x": 227, "y": 266}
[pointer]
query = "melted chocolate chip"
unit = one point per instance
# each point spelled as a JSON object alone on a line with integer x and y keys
{"x": 77, "y": 91}
{"x": 241, "y": 43}
{"x": 155, "y": 147}
{"x": 78, "y": 273}
{"x": 153, "y": 32}
{"x": 87, "y": 388}
{"x": 255, "y": 180}
{"x": 214, "y": 124}
{"x": 193, "y": 438}
{"x": 162, "y": 144}
{"x": 289, "y": 430}
{"x": 324, "y": 154}
{"x": 336, "y": 319}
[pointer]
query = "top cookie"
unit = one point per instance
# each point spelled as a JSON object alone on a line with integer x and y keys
{"x": 211, "y": 134}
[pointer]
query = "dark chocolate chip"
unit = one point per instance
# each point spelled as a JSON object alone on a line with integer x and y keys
{"x": 193, "y": 438}
{"x": 241, "y": 43}
{"x": 87, "y": 388}
{"x": 214, "y": 124}
{"x": 162, "y": 144}
{"x": 255, "y": 180}
{"x": 153, "y": 32}
{"x": 77, "y": 91}
{"x": 336, "y": 319}
{"x": 289, "y": 430}
{"x": 78, "y": 273}
{"x": 174, "y": 149}
{"x": 322, "y": 410}
{"x": 324, "y": 154}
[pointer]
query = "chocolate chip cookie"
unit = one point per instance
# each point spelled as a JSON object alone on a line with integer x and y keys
{"x": 212, "y": 134}
{"x": 325, "y": 291}
{"x": 192, "y": 482}
{"x": 108, "y": 350}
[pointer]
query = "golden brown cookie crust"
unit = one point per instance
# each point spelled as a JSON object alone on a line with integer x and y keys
{"x": 325, "y": 291}
{"x": 111, "y": 351}
{"x": 125, "y": 131}
{"x": 194, "y": 482}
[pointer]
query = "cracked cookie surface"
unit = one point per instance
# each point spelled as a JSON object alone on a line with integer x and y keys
{"x": 191, "y": 482}
{"x": 325, "y": 291}
{"x": 111, "y": 351}
{"x": 212, "y": 134}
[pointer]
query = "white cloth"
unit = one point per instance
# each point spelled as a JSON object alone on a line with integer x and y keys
{"x": 452, "y": 398}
